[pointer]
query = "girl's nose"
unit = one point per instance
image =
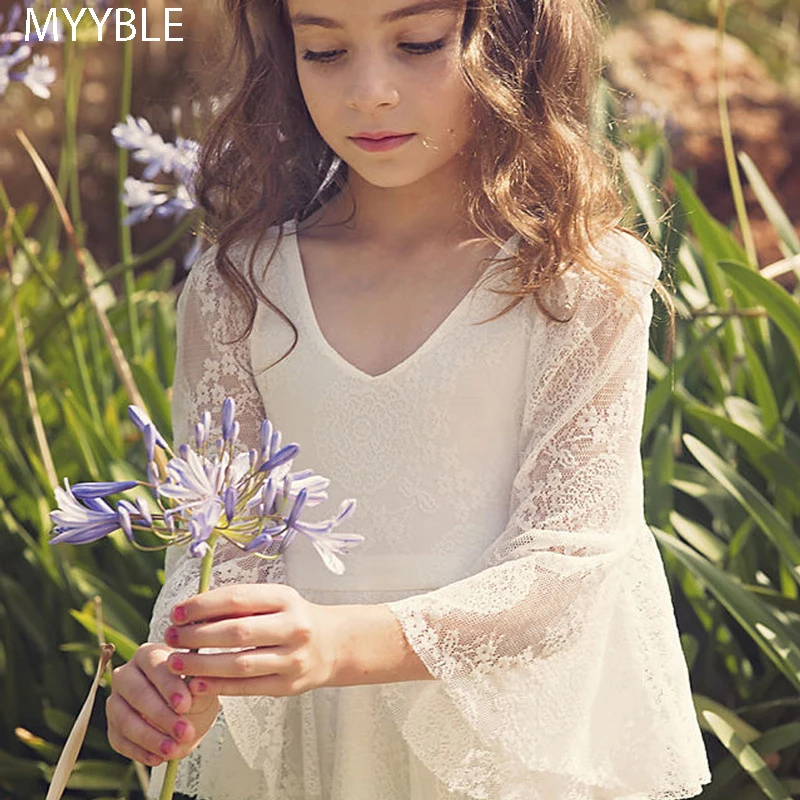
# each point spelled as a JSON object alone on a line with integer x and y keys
{"x": 371, "y": 87}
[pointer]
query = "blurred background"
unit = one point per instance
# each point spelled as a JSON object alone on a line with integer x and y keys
{"x": 701, "y": 98}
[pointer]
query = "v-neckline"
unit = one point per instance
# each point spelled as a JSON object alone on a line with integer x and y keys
{"x": 298, "y": 270}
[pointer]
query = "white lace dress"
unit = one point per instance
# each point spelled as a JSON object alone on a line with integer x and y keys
{"x": 498, "y": 477}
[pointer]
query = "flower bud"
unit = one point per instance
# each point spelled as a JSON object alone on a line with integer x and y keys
{"x": 125, "y": 521}
{"x": 268, "y": 495}
{"x": 228, "y": 412}
{"x": 200, "y": 434}
{"x": 149, "y": 433}
{"x": 231, "y": 496}
{"x": 281, "y": 457}
{"x": 144, "y": 510}
{"x": 234, "y": 435}
{"x": 274, "y": 443}
{"x": 266, "y": 438}
{"x": 84, "y": 491}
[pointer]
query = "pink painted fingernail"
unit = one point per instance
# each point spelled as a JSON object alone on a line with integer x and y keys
{"x": 179, "y": 613}
{"x": 200, "y": 686}
{"x": 180, "y": 728}
{"x": 176, "y": 663}
{"x": 175, "y": 700}
{"x": 171, "y": 635}
{"x": 167, "y": 746}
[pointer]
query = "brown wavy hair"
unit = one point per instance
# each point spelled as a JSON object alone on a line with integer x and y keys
{"x": 536, "y": 168}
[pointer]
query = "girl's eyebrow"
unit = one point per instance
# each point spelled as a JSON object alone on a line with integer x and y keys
{"x": 423, "y": 7}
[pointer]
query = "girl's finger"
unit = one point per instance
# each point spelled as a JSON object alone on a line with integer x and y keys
{"x": 269, "y": 685}
{"x": 262, "y": 630}
{"x": 134, "y": 687}
{"x": 171, "y": 688}
{"x": 125, "y": 747}
{"x": 238, "y": 600}
{"x": 128, "y": 724}
{"x": 255, "y": 662}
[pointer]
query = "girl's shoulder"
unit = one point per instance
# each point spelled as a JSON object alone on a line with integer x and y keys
{"x": 582, "y": 296}
{"x": 204, "y": 274}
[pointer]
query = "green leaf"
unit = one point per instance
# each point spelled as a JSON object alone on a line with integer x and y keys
{"x": 782, "y": 308}
{"x": 94, "y": 775}
{"x": 770, "y": 460}
{"x": 164, "y": 341}
{"x": 747, "y": 756}
{"x": 699, "y": 537}
{"x": 125, "y": 646}
{"x": 44, "y": 748}
{"x": 772, "y": 208}
{"x": 778, "y": 642}
{"x": 15, "y": 768}
{"x": 659, "y": 395}
{"x": 154, "y": 396}
{"x": 766, "y": 516}
{"x": 640, "y": 188}
{"x": 658, "y": 486}
{"x": 117, "y": 610}
{"x": 716, "y": 241}
{"x": 30, "y": 621}
{"x": 762, "y": 389}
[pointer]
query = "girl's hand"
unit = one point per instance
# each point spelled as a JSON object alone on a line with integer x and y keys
{"x": 151, "y": 714}
{"x": 290, "y": 643}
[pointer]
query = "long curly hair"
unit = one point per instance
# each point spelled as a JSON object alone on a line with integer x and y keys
{"x": 535, "y": 166}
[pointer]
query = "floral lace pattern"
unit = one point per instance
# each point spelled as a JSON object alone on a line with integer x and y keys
{"x": 506, "y": 534}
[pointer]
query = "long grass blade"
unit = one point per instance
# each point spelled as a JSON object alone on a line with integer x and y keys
{"x": 69, "y": 755}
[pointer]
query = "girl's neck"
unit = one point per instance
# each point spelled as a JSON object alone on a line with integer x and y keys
{"x": 431, "y": 208}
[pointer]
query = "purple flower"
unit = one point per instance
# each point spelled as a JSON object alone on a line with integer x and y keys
{"x": 124, "y": 517}
{"x": 281, "y": 457}
{"x": 141, "y": 421}
{"x": 77, "y": 523}
{"x": 149, "y": 148}
{"x": 199, "y": 487}
{"x": 84, "y": 491}
{"x": 143, "y": 197}
{"x": 327, "y": 543}
{"x": 201, "y": 526}
{"x": 228, "y": 414}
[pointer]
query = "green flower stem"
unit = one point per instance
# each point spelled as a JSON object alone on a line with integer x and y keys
{"x": 727, "y": 141}
{"x": 124, "y": 231}
{"x": 168, "y": 787}
{"x": 73, "y": 69}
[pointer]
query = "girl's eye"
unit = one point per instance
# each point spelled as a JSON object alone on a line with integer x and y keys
{"x": 412, "y": 48}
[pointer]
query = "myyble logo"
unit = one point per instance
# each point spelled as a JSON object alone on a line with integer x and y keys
{"x": 125, "y": 23}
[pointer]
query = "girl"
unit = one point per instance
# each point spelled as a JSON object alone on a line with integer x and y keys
{"x": 384, "y": 175}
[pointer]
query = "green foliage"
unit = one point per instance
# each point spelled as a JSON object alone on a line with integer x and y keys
{"x": 721, "y": 449}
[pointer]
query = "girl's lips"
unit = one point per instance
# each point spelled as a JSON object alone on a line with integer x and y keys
{"x": 379, "y": 145}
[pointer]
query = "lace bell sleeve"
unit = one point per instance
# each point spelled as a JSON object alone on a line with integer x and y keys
{"x": 210, "y": 365}
{"x": 558, "y": 666}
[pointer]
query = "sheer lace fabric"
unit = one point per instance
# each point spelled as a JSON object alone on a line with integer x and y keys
{"x": 499, "y": 483}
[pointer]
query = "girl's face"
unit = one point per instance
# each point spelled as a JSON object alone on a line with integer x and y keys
{"x": 384, "y": 67}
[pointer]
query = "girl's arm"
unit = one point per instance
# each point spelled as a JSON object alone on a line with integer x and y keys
{"x": 559, "y": 664}
{"x": 151, "y": 714}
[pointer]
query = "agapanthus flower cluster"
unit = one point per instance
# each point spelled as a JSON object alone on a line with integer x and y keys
{"x": 146, "y": 198}
{"x": 14, "y": 49}
{"x": 39, "y": 75}
{"x": 210, "y": 491}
